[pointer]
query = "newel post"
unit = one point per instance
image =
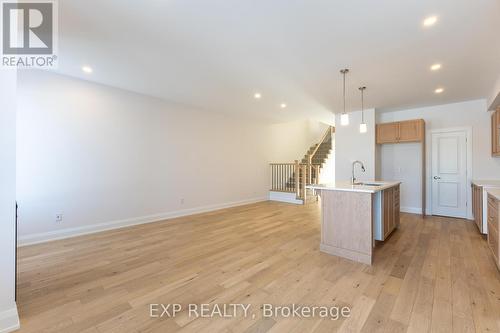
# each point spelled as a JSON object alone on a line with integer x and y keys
{"x": 304, "y": 168}
{"x": 297, "y": 177}
{"x": 309, "y": 168}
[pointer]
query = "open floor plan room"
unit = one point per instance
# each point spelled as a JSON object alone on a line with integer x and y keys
{"x": 249, "y": 166}
{"x": 433, "y": 274}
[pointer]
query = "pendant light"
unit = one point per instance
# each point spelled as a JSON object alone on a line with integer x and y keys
{"x": 362, "y": 127}
{"x": 344, "y": 117}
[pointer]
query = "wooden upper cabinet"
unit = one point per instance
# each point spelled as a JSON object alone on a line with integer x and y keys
{"x": 498, "y": 131}
{"x": 387, "y": 133}
{"x": 411, "y": 130}
{"x": 401, "y": 131}
{"x": 495, "y": 133}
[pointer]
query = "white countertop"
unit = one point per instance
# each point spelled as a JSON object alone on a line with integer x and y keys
{"x": 346, "y": 186}
{"x": 486, "y": 183}
{"x": 494, "y": 192}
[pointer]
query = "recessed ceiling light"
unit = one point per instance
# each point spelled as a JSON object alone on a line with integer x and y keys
{"x": 282, "y": 105}
{"x": 430, "y": 21}
{"x": 435, "y": 67}
{"x": 87, "y": 69}
{"x": 257, "y": 96}
{"x": 439, "y": 90}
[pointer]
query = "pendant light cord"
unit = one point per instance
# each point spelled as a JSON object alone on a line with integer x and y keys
{"x": 362, "y": 107}
{"x": 362, "y": 89}
{"x": 344, "y": 72}
{"x": 344, "y": 89}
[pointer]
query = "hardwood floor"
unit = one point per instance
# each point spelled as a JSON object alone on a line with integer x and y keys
{"x": 430, "y": 275}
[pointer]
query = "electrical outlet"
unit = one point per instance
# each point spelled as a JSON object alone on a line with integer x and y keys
{"x": 59, "y": 217}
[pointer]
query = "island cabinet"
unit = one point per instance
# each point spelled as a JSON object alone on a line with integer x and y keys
{"x": 493, "y": 219}
{"x": 355, "y": 216}
{"x": 495, "y": 133}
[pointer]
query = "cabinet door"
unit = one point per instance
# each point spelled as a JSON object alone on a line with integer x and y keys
{"x": 493, "y": 243}
{"x": 387, "y": 133}
{"x": 477, "y": 206}
{"x": 411, "y": 130}
{"x": 388, "y": 211}
{"x": 494, "y": 142}
{"x": 474, "y": 204}
{"x": 496, "y": 131}
{"x": 397, "y": 206}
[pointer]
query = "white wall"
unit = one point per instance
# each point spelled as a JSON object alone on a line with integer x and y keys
{"x": 8, "y": 312}
{"x": 290, "y": 141}
{"x": 104, "y": 157}
{"x": 350, "y": 145}
{"x": 327, "y": 174}
{"x": 405, "y": 157}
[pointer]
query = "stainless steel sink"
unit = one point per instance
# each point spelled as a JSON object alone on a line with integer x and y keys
{"x": 368, "y": 184}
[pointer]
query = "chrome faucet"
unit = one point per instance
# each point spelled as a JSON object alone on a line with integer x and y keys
{"x": 353, "y": 179}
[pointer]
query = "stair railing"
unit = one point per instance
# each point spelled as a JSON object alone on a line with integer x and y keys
{"x": 292, "y": 178}
{"x": 328, "y": 135}
{"x": 281, "y": 174}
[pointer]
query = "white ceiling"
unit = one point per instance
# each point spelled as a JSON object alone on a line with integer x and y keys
{"x": 216, "y": 54}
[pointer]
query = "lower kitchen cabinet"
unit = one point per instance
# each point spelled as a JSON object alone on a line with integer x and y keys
{"x": 477, "y": 206}
{"x": 391, "y": 210}
{"x": 493, "y": 218}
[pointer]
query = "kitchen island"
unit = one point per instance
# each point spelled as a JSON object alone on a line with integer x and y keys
{"x": 355, "y": 216}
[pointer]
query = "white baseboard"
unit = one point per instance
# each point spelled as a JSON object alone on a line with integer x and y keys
{"x": 418, "y": 210}
{"x": 9, "y": 320}
{"x": 284, "y": 197}
{"x": 411, "y": 210}
{"x": 94, "y": 228}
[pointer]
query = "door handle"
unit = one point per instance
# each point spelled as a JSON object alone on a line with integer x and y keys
{"x": 436, "y": 177}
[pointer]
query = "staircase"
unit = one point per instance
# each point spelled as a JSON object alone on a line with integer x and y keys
{"x": 321, "y": 153}
{"x": 316, "y": 156}
{"x": 293, "y": 177}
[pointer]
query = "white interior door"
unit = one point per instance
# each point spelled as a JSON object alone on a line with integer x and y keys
{"x": 449, "y": 174}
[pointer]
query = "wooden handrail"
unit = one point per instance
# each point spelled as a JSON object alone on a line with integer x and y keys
{"x": 274, "y": 163}
{"x": 327, "y": 132}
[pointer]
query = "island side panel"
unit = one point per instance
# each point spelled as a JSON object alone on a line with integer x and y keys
{"x": 346, "y": 228}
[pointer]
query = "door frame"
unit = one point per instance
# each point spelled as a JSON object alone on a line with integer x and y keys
{"x": 468, "y": 135}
